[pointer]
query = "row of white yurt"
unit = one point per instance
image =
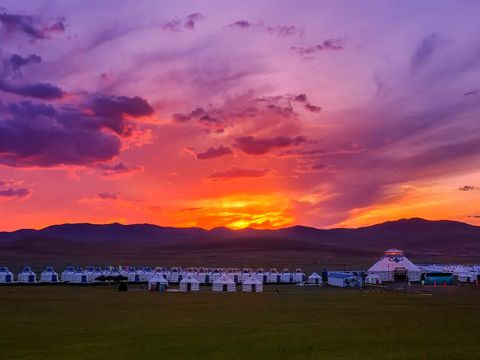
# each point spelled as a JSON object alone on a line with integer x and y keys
{"x": 5, "y": 275}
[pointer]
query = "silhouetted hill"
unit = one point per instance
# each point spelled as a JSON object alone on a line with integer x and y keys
{"x": 424, "y": 240}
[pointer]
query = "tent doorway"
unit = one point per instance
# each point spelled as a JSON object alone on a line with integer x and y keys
{"x": 254, "y": 288}
{"x": 400, "y": 275}
{"x": 189, "y": 287}
{"x": 31, "y": 278}
{"x": 225, "y": 287}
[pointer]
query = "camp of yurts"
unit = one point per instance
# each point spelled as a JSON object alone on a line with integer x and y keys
{"x": 224, "y": 283}
{"x": 286, "y": 276}
{"x": 132, "y": 275}
{"x": 395, "y": 266}
{"x": 27, "y": 276}
{"x": 156, "y": 281}
{"x": 67, "y": 274}
{"x": 273, "y": 276}
{"x": 252, "y": 284}
{"x": 373, "y": 279}
{"x": 189, "y": 283}
{"x": 79, "y": 277}
{"x": 298, "y": 276}
{"x": 314, "y": 279}
{"x": 5, "y": 275}
{"x": 49, "y": 275}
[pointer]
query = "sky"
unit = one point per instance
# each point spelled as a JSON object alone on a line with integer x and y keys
{"x": 259, "y": 114}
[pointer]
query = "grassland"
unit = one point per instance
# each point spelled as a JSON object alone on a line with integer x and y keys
{"x": 74, "y": 322}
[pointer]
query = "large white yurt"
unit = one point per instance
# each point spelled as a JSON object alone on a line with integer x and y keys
{"x": 252, "y": 284}
{"x": 224, "y": 283}
{"x": 27, "y": 276}
{"x": 146, "y": 274}
{"x": 5, "y": 275}
{"x": 133, "y": 275}
{"x": 67, "y": 274}
{"x": 174, "y": 276}
{"x": 49, "y": 275}
{"x": 189, "y": 283}
{"x": 79, "y": 277}
{"x": 314, "y": 279}
{"x": 299, "y": 276}
{"x": 373, "y": 279}
{"x": 273, "y": 276}
{"x": 394, "y": 266}
{"x": 202, "y": 276}
{"x": 285, "y": 276}
{"x": 156, "y": 281}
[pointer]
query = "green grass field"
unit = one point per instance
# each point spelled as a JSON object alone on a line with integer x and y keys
{"x": 74, "y": 322}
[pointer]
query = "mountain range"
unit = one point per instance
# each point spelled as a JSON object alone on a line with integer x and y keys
{"x": 83, "y": 243}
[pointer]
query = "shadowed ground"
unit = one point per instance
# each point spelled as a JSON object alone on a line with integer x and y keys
{"x": 73, "y": 322}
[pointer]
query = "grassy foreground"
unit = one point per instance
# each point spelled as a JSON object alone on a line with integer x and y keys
{"x": 68, "y": 322}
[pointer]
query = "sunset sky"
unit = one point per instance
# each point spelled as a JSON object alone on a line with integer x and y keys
{"x": 250, "y": 113}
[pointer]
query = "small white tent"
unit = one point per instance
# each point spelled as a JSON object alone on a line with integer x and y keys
{"x": 299, "y": 276}
{"x": 5, "y": 275}
{"x": 174, "y": 275}
{"x": 49, "y": 275}
{"x": 67, "y": 274}
{"x": 273, "y": 276}
{"x": 252, "y": 284}
{"x": 246, "y": 274}
{"x": 146, "y": 274}
{"x": 156, "y": 281}
{"x": 394, "y": 266}
{"x": 79, "y": 277}
{"x": 133, "y": 275}
{"x": 90, "y": 272}
{"x": 202, "y": 276}
{"x": 224, "y": 283}
{"x": 27, "y": 276}
{"x": 373, "y": 279}
{"x": 189, "y": 283}
{"x": 286, "y": 276}
{"x": 314, "y": 279}
{"x": 96, "y": 274}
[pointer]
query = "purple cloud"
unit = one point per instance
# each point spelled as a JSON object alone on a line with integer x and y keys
{"x": 117, "y": 169}
{"x": 16, "y": 61}
{"x": 253, "y": 146}
{"x": 236, "y": 172}
{"x": 44, "y": 91}
{"x": 8, "y": 190}
{"x": 212, "y": 152}
{"x": 32, "y": 27}
{"x": 108, "y": 195}
{"x": 469, "y": 188}
{"x": 277, "y": 30}
{"x": 326, "y": 45}
{"x": 424, "y": 51}
{"x": 178, "y": 25}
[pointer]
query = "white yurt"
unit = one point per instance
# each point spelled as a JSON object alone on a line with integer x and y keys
{"x": 107, "y": 270}
{"x": 224, "y": 283}
{"x": 232, "y": 274}
{"x": 261, "y": 275}
{"x": 285, "y": 276}
{"x": 246, "y": 274}
{"x": 146, "y": 274}
{"x": 67, "y": 274}
{"x": 79, "y": 277}
{"x": 373, "y": 279}
{"x": 27, "y": 276}
{"x": 133, "y": 275}
{"x": 174, "y": 276}
{"x": 273, "y": 276}
{"x": 189, "y": 283}
{"x": 299, "y": 276}
{"x": 467, "y": 277}
{"x": 90, "y": 272}
{"x": 252, "y": 284}
{"x": 202, "y": 276}
{"x": 5, "y": 275}
{"x": 216, "y": 273}
{"x": 314, "y": 279}
{"x": 49, "y": 275}
{"x": 394, "y": 266}
{"x": 156, "y": 281}
{"x": 114, "y": 272}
